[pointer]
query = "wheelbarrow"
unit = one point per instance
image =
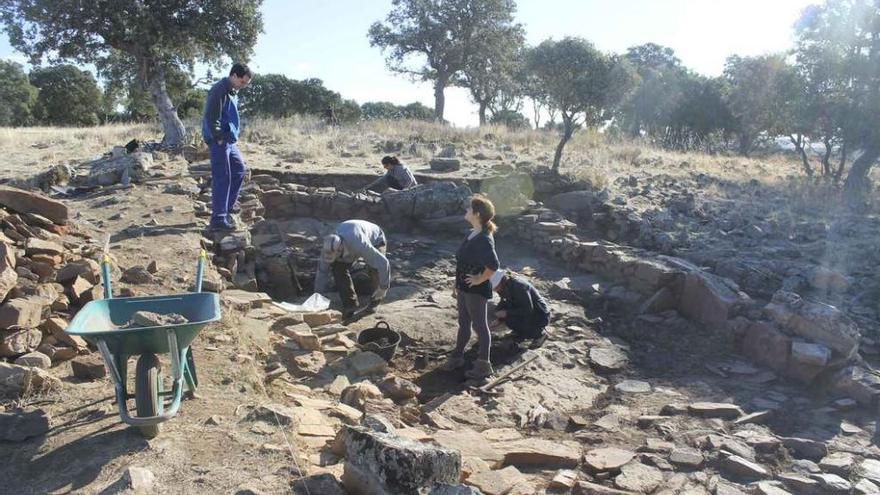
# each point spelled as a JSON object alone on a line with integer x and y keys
{"x": 99, "y": 322}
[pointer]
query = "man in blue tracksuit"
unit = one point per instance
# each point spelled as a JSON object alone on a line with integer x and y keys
{"x": 220, "y": 127}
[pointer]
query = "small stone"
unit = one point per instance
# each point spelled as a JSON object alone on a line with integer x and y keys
{"x": 90, "y": 367}
{"x": 358, "y": 394}
{"x": 137, "y": 275}
{"x": 673, "y": 410}
{"x": 686, "y": 457}
{"x": 639, "y": 478}
{"x": 745, "y": 468}
{"x": 21, "y": 313}
{"x": 865, "y": 487}
{"x": 320, "y": 318}
{"x": 19, "y": 425}
{"x": 367, "y": 363}
{"x": 589, "y": 488}
{"x": 564, "y": 479}
{"x": 715, "y": 410}
{"x": 303, "y": 336}
{"x": 870, "y": 469}
{"x": 758, "y": 417}
{"x": 804, "y": 448}
{"x": 810, "y": 354}
{"x": 633, "y": 387}
{"x": 36, "y": 359}
{"x": 325, "y": 484}
{"x": 845, "y": 404}
{"x": 657, "y": 446}
{"x": 833, "y": 483}
{"x": 399, "y": 389}
{"x": 770, "y": 488}
{"x": 608, "y": 359}
{"x": 840, "y": 463}
{"x": 140, "y": 480}
{"x": 496, "y": 482}
{"x": 848, "y": 428}
{"x": 607, "y": 459}
{"x": 153, "y": 267}
{"x": 150, "y": 319}
{"x": 799, "y": 483}
{"x": 339, "y": 384}
{"x": 310, "y": 364}
{"x": 214, "y": 420}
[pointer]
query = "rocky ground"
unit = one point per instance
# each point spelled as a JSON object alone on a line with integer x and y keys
{"x": 621, "y": 399}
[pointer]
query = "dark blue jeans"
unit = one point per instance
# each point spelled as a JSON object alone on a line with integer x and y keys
{"x": 227, "y": 174}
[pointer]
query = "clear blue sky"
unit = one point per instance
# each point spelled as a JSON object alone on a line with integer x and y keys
{"x": 328, "y": 39}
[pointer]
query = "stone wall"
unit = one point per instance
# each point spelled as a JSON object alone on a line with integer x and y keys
{"x": 806, "y": 341}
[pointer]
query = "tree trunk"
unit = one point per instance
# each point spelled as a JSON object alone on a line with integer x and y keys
{"x": 857, "y": 184}
{"x": 439, "y": 99}
{"x": 745, "y": 144}
{"x": 171, "y": 123}
{"x": 839, "y": 174}
{"x": 483, "y": 106}
{"x": 826, "y": 158}
{"x": 536, "y": 109}
{"x": 568, "y": 130}
{"x": 798, "y": 143}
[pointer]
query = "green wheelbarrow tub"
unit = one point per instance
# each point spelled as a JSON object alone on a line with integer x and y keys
{"x": 101, "y": 321}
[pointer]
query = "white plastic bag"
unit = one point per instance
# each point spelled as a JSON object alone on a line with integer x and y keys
{"x": 316, "y": 302}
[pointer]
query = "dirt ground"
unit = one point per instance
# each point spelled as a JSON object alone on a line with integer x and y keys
{"x": 213, "y": 446}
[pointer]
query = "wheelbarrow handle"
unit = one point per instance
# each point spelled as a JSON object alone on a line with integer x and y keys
{"x": 105, "y": 275}
{"x": 200, "y": 269}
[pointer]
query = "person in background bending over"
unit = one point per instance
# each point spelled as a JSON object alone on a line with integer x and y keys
{"x": 522, "y": 308}
{"x": 397, "y": 176}
{"x": 220, "y": 127}
{"x": 475, "y": 263}
{"x": 354, "y": 240}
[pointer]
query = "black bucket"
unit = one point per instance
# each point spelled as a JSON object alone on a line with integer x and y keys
{"x": 371, "y": 340}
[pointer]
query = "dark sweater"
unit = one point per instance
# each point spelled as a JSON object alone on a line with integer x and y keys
{"x": 521, "y": 300}
{"x": 472, "y": 258}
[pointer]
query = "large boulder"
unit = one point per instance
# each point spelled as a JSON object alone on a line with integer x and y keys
{"x": 440, "y": 164}
{"x": 17, "y": 342}
{"x": 16, "y": 380}
{"x": 27, "y": 202}
{"x": 818, "y": 322}
{"x": 705, "y": 297}
{"x": 115, "y": 170}
{"x": 22, "y": 313}
{"x": 8, "y": 275}
{"x": 578, "y": 202}
{"x": 434, "y": 200}
{"x": 384, "y": 464}
{"x": 19, "y": 425}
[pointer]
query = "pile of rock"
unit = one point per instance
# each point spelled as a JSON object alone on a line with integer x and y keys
{"x": 44, "y": 278}
{"x": 393, "y": 209}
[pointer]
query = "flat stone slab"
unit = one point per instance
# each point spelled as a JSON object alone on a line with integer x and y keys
{"x": 639, "y": 478}
{"x": 496, "y": 482}
{"x": 633, "y": 387}
{"x": 608, "y": 359}
{"x": 28, "y": 202}
{"x": 538, "y": 452}
{"x": 715, "y": 410}
{"x": 21, "y": 425}
{"x": 607, "y": 459}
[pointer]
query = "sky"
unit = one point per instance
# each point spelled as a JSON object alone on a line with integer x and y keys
{"x": 327, "y": 39}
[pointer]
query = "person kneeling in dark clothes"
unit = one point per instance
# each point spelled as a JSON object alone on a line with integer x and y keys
{"x": 522, "y": 308}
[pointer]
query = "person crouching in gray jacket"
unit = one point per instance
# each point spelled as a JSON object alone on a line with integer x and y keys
{"x": 397, "y": 177}
{"x": 353, "y": 240}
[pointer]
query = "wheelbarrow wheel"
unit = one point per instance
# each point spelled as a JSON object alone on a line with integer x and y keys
{"x": 148, "y": 384}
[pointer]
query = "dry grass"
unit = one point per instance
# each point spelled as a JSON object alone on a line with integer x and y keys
{"x": 589, "y": 155}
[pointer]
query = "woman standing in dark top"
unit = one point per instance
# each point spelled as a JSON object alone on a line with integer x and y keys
{"x": 475, "y": 262}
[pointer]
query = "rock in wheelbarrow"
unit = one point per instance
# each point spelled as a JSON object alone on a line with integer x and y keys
{"x": 367, "y": 363}
{"x": 150, "y": 319}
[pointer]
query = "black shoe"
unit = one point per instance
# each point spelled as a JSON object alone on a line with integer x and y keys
{"x": 538, "y": 341}
{"x": 220, "y": 227}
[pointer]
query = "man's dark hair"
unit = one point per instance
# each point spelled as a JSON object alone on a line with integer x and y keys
{"x": 390, "y": 160}
{"x": 240, "y": 70}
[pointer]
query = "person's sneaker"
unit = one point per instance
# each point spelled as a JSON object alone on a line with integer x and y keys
{"x": 482, "y": 369}
{"x": 453, "y": 362}
{"x": 538, "y": 341}
{"x": 220, "y": 227}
